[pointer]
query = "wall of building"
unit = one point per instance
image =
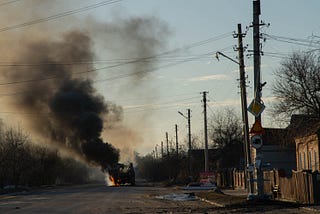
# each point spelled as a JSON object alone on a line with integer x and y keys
{"x": 278, "y": 157}
{"x": 307, "y": 152}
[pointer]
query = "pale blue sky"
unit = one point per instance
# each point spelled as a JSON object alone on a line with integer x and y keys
{"x": 192, "y": 21}
{"x": 151, "y": 108}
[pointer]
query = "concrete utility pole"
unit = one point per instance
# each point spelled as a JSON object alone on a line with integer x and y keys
{"x": 177, "y": 144}
{"x": 206, "y": 152}
{"x": 244, "y": 109}
{"x": 256, "y": 52}
{"x": 257, "y": 81}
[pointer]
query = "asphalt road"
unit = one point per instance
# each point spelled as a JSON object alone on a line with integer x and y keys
{"x": 98, "y": 198}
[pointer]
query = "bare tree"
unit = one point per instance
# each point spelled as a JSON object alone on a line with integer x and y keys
{"x": 226, "y": 135}
{"x": 297, "y": 86}
{"x": 225, "y": 128}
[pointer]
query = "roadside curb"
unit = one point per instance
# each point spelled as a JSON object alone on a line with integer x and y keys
{"x": 312, "y": 209}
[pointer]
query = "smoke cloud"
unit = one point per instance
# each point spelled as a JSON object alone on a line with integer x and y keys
{"x": 53, "y": 81}
{"x": 74, "y": 110}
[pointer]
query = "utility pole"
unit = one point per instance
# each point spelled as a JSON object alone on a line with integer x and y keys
{"x": 256, "y": 52}
{"x": 257, "y": 81}
{"x": 206, "y": 153}
{"x": 189, "y": 141}
{"x": 156, "y": 151}
{"x": 189, "y": 137}
{"x": 167, "y": 139}
{"x": 245, "y": 125}
{"x": 189, "y": 129}
{"x": 177, "y": 144}
{"x": 162, "y": 149}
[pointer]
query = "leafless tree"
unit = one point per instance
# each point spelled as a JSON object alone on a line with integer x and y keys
{"x": 297, "y": 87}
{"x": 226, "y": 135}
{"x": 225, "y": 128}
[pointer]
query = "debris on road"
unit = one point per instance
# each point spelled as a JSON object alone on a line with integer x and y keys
{"x": 200, "y": 186}
{"x": 179, "y": 197}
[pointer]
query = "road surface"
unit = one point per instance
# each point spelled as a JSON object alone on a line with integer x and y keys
{"x": 98, "y": 198}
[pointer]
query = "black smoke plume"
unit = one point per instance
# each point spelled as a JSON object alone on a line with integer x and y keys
{"x": 76, "y": 107}
{"x": 62, "y": 107}
{"x": 74, "y": 111}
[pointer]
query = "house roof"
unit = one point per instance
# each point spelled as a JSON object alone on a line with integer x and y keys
{"x": 300, "y": 126}
{"x": 277, "y": 136}
{"x": 304, "y": 125}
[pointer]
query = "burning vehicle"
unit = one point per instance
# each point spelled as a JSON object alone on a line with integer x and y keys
{"x": 121, "y": 174}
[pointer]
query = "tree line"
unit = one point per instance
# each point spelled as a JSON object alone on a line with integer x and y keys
{"x": 24, "y": 163}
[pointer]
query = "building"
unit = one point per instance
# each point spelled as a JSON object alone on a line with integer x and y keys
{"x": 295, "y": 147}
{"x": 278, "y": 150}
{"x": 306, "y": 131}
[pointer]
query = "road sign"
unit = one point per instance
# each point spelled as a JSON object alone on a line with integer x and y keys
{"x": 256, "y": 128}
{"x": 256, "y": 108}
{"x": 256, "y": 141}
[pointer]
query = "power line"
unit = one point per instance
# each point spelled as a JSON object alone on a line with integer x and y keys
{"x": 296, "y": 41}
{"x": 138, "y": 108}
{"x": 157, "y": 105}
{"x": 59, "y": 15}
{"x": 152, "y": 97}
{"x": 163, "y": 55}
{"x": 108, "y": 67}
{"x": 8, "y": 2}
{"x": 135, "y": 60}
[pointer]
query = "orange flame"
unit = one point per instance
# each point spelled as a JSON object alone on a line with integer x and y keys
{"x": 113, "y": 182}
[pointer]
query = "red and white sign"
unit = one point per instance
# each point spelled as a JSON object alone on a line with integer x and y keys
{"x": 207, "y": 177}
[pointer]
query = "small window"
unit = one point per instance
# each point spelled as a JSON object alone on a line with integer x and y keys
{"x": 310, "y": 160}
{"x": 304, "y": 161}
{"x": 315, "y": 160}
{"x": 300, "y": 161}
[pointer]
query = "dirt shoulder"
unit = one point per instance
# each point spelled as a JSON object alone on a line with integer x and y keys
{"x": 240, "y": 203}
{"x": 220, "y": 199}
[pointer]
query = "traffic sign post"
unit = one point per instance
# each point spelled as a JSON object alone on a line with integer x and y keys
{"x": 257, "y": 128}
{"x": 256, "y": 141}
{"x": 256, "y": 108}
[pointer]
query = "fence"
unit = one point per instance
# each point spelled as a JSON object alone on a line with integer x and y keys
{"x": 302, "y": 186}
{"x": 231, "y": 178}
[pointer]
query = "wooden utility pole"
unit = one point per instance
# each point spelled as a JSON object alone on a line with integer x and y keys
{"x": 167, "y": 140}
{"x": 244, "y": 109}
{"x": 156, "y": 151}
{"x": 189, "y": 141}
{"x": 189, "y": 129}
{"x": 189, "y": 137}
{"x": 177, "y": 144}
{"x": 162, "y": 149}
{"x": 206, "y": 152}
